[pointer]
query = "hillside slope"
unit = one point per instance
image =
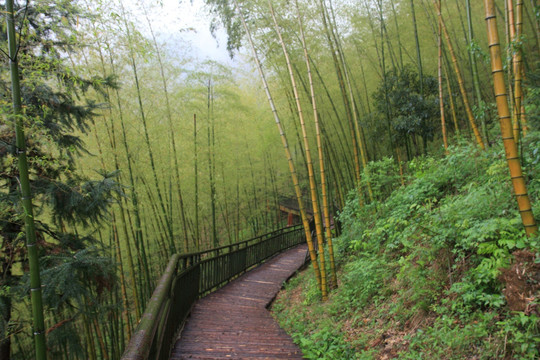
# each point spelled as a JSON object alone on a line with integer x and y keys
{"x": 437, "y": 269}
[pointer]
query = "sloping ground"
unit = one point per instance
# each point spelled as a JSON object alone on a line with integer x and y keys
{"x": 234, "y": 323}
{"x": 439, "y": 268}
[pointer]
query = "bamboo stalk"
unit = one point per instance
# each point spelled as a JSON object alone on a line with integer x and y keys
{"x": 320, "y": 153}
{"x": 292, "y": 168}
{"x": 142, "y": 113}
{"x": 518, "y": 68}
{"x": 345, "y": 102}
{"x": 510, "y": 146}
{"x": 26, "y": 194}
{"x": 451, "y": 100}
{"x": 127, "y": 322}
{"x": 418, "y": 53}
{"x": 211, "y": 162}
{"x": 171, "y": 129}
{"x": 197, "y": 237}
{"x": 311, "y": 173}
{"x": 461, "y": 83}
{"x": 357, "y": 133}
{"x": 441, "y": 102}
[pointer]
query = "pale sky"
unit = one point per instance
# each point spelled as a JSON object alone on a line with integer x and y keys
{"x": 183, "y": 21}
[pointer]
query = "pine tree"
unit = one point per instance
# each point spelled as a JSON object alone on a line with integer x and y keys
{"x": 74, "y": 268}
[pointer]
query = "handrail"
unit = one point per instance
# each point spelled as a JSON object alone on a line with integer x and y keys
{"x": 190, "y": 276}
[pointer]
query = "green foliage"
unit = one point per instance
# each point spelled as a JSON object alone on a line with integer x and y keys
{"x": 413, "y": 107}
{"x": 428, "y": 261}
{"x": 363, "y": 281}
{"x": 451, "y": 339}
{"x": 522, "y": 334}
{"x": 532, "y": 102}
{"x": 382, "y": 176}
{"x": 57, "y": 112}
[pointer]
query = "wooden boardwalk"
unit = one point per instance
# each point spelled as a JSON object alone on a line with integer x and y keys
{"x": 234, "y": 323}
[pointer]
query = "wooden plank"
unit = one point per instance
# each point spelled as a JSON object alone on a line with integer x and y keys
{"x": 233, "y": 322}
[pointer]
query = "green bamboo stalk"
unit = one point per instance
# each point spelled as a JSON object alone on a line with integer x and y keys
{"x": 418, "y": 53}
{"x": 345, "y": 99}
{"x": 474, "y": 70}
{"x": 139, "y": 238}
{"x": 400, "y": 46}
{"x": 38, "y": 322}
{"x": 197, "y": 237}
{"x": 125, "y": 310}
{"x": 145, "y": 283}
{"x": 285, "y": 143}
{"x": 133, "y": 64}
{"x": 463, "y": 92}
{"x": 211, "y": 161}
{"x": 171, "y": 129}
{"x": 237, "y": 222}
{"x": 441, "y": 96}
{"x": 451, "y": 99}
{"x": 354, "y": 109}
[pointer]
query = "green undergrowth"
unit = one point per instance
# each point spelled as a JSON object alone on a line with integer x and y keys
{"x": 437, "y": 269}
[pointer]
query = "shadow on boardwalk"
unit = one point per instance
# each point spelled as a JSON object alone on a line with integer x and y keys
{"x": 234, "y": 323}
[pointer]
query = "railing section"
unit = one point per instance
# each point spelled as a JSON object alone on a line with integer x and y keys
{"x": 190, "y": 276}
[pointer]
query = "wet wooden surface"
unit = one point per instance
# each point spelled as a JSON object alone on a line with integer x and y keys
{"x": 233, "y": 322}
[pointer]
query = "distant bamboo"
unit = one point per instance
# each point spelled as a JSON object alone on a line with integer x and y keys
{"x": 285, "y": 143}
{"x": 211, "y": 162}
{"x": 125, "y": 303}
{"x": 197, "y": 237}
{"x": 142, "y": 113}
{"x": 171, "y": 129}
{"x": 418, "y": 53}
{"x": 451, "y": 100}
{"x": 441, "y": 102}
{"x": 461, "y": 84}
{"x": 510, "y": 146}
{"x": 141, "y": 251}
{"x": 345, "y": 98}
{"x": 474, "y": 67}
{"x": 398, "y": 36}
{"x": 357, "y": 133}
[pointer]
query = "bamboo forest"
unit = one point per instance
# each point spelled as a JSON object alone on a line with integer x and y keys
{"x": 278, "y": 179}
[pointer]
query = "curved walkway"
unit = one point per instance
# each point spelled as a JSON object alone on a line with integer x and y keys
{"x": 234, "y": 323}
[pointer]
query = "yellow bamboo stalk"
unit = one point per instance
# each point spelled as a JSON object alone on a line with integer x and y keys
{"x": 461, "y": 83}
{"x": 451, "y": 99}
{"x": 292, "y": 168}
{"x": 510, "y": 146}
{"x": 524, "y": 126}
{"x": 99, "y": 335}
{"x": 324, "y": 189}
{"x": 311, "y": 172}
{"x": 441, "y": 102}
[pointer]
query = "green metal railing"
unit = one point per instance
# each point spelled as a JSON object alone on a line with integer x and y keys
{"x": 190, "y": 276}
